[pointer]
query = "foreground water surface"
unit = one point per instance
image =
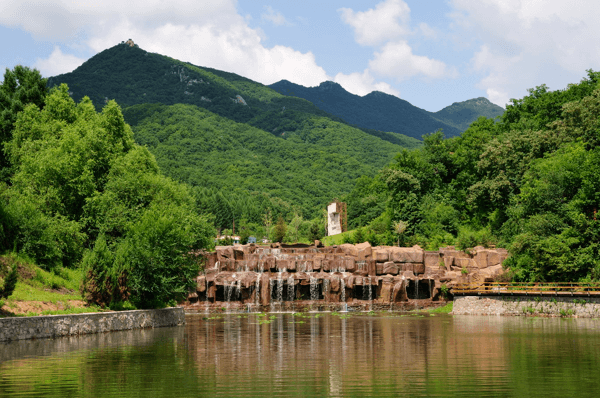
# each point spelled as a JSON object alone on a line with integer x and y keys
{"x": 315, "y": 355}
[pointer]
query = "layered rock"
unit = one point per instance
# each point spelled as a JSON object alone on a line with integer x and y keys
{"x": 251, "y": 274}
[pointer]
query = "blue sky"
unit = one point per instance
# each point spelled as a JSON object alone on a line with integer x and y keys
{"x": 430, "y": 53}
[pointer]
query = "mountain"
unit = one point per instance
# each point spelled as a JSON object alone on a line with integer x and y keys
{"x": 242, "y": 145}
{"x": 462, "y": 114}
{"x": 133, "y": 76}
{"x": 385, "y": 112}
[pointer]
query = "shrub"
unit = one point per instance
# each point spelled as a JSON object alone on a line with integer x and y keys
{"x": 10, "y": 282}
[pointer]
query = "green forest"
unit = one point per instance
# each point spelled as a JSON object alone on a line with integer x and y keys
{"x": 79, "y": 193}
{"x": 528, "y": 182}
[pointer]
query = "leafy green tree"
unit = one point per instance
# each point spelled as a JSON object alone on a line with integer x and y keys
{"x": 20, "y": 87}
{"x": 280, "y": 230}
{"x": 10, "y": 282}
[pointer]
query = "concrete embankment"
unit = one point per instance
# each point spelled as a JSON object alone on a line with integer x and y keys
{"x": 39, "y": 327}
{"x": 584, "y": 307}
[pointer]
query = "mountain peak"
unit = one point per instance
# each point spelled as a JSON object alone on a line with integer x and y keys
{"x": 329, "y": 85}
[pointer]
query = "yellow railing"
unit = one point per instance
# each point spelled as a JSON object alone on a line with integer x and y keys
{"x": 528, "y": 288}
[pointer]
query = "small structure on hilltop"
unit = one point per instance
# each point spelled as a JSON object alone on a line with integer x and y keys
{"x": 337, "y": 218}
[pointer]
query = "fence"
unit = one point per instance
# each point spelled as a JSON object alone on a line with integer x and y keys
{"x": 528, "y": 289}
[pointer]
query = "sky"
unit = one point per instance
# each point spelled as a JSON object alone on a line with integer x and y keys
{"x": 431, "y": 53}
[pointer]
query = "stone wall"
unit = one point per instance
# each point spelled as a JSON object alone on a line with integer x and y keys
{"x": 354, "y": 274}
{"x": 49, "y": 326}
{"x": 585, "y": 307}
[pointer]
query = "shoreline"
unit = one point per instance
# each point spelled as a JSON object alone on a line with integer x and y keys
{"x": 51, "y": 326}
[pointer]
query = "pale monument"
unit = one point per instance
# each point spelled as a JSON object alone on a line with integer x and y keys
{"x": 336, "y": 218}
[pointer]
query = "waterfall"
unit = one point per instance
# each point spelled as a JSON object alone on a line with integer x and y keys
{"x": 325, "y": 288}
{"x": 290, "y": 289}
{"x": 416, "y": 289}
{"x": 314, "y": 288}
{"x": 228, "y": 290}
{"x": 279, "y": 288}
{"x": 257, "y": 290}
{"x": 343, "y": 287}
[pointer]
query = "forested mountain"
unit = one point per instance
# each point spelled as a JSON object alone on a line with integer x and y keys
{"x": 462, "y": 114}
{"x": 133, "y": 76}
{"x": 386, "y": 112}
{"x": 244, "y": 148}
{"x": 306, "y": 168}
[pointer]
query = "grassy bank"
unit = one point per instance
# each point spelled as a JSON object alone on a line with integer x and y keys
{"x": 39, "y": 292}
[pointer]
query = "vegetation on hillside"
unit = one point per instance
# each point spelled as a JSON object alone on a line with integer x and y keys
{"x": 240, "y": 171}
{"x": 528, "y": 182}
{"x": 82, "y": 195}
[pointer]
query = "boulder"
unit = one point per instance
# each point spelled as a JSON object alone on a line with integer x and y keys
{"x": 349, "y": 264}
{"x": 381, "y": 255}
{"x": 372, "y": 267}
{"x": 317, "y": 264}
{"x": 387, "y": 286}
{"x": 350, "y": 282}
{"x": 349, "y": 249}
{"x": 364, "y": 250}
{"x": 211, "y": 292}
{"x": 419, "y": 268}
{"x": 224, "y": 252}
{"x": 407, "y": 254}
{"x": 211, "y": 260}
{"x": 432, "y": 259}
{"x": 238, "y": 252}
{"x": 334, "y": 284}
{"x": 201, "y": 284}
{"x": 406, "y": 267}
{"x": 390, "y": 268}
{"x": 399, "y": 292}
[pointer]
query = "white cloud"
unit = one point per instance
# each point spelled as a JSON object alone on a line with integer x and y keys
{"x": 57, "y": 63}
{"x": 363, "y": 83}
{"x": 396, "y": 59}
{"x": 203, "y": 33}
{"x": 388, "y": 20}
{"x": 386, "y": 27}
{"x": 275, "y": 17}
{"x": 428, "y": 31}
{"x": 527, "y": 43}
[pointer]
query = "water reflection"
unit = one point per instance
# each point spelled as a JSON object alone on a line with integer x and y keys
{"x": 315, "y": 355}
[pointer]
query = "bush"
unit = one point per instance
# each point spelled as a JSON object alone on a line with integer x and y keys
{"x": 10, "y": 282}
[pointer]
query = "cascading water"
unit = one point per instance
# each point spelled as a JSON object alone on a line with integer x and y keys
{"x": 314, "y": 288}
{"x": 325, "y": 288}
{"x": 290, "y": 290}
{"x": 279, "y": 288}
{"x": 257, "y": 290}
{"x": 416, "y": 289}
{"x": 343, "y": 295}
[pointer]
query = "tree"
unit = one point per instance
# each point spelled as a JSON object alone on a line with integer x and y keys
{"x": 280, "y": 229}
{"x": 20, "y": 87}
{"x": 10, "y": 282}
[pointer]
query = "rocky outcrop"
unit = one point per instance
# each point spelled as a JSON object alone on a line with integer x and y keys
{"x": 253, "y": 275}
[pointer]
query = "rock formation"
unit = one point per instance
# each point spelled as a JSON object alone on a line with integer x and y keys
{"x": 348, "y": 274}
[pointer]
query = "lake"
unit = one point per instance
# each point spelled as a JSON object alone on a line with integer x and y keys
{"x": 315, "y": 354}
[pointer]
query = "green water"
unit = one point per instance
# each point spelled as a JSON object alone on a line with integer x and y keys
{"x": 315, "y": 355}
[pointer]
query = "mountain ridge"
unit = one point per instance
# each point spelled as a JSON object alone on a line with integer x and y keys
{"x": 381, "y": 111}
